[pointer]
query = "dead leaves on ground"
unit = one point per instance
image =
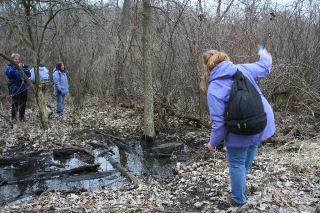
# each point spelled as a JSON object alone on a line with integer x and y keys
{"x": 283, "y": 178}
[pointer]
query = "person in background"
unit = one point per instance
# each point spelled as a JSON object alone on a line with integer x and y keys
{"x": 18, "y": 89}
{"x": 44, "y": 83}
{"x": 61, "y": 87}
{"x": 240, "y": 149}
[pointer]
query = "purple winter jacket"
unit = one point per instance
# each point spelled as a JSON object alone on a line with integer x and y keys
{"x": 220, "y": 83}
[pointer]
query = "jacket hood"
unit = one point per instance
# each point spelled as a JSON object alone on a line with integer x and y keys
{"x": 225, "y": 69}
{"x": 56, "y": 69}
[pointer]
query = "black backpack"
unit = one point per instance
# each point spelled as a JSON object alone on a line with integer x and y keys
{"x": 244, "y": 113}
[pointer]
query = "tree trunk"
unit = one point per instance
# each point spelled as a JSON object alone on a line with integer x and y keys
{"x": 149, "y": 131}
{"x": 120, "y": 52}
{"x": 39, "y": 95}
{"x": 42, "y": 109}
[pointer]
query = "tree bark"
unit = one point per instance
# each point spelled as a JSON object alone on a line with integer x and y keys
{"x": 149, "y": 131}
{"x": 120, "y": 52}
{"x": 42, "y": 108}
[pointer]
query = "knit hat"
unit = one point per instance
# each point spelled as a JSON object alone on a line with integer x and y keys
{"x": 59, "y": 64}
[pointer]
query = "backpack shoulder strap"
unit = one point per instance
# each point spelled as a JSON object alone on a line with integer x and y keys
{"x": 239, "y": 79}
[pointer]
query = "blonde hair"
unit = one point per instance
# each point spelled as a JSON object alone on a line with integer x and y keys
{"x": 211, "y": 58}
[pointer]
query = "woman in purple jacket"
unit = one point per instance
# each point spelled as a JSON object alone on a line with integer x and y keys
{"x": 61, "y": 86}
{"x": 241, "y": 149}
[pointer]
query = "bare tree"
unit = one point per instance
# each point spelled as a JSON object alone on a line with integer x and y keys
{"x": 98, "y": 44}
{"x": 24, "y": 24}
{"x": 123, "y": 28}
{"x": 29, "y": 22}
{"x": 149, "y": 131}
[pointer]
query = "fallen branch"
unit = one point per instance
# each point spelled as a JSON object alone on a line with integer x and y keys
{"x": 7, "y": 119}
{"x": 122, "y": 144}
{"x": 312, "y": 112}
{"x": 136, "y": 181}
{"x": 74, "y": 147}
{"x": 79, "y": 148}
{"x": 291, "y": 133}
{"x": 3, "y": 181}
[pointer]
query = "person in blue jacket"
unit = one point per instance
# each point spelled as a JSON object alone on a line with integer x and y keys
{"x": 44, "y": 82}
{"x": 240, "y": 149}
{"x": 43, "y": 73}
{"x": 61, "y": 87}
{"x": 18, "y": 89}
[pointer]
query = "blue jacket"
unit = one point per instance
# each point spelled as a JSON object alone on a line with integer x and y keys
{"x": 16, "y": 79}
{"x": 60, "y": 81}
{"x": 220, "y": 83}
{"x": 43, "y": 74}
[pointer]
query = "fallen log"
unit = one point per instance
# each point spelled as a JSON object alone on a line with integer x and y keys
{"x": 124, "y": 171}
{"x": 74, "y": 147}
{"x": 49, "y": 175}
{"x": 64, "y": 152}
{"x": 121, "y": 143}
{"x": 14, "y": 161}
{"x": 99, "y": 145}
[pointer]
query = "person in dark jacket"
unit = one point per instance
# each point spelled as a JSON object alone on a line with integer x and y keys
{"x": 240, "y": 149}
{"x": 61, "y": 86}
{"x": 18, "y": 89}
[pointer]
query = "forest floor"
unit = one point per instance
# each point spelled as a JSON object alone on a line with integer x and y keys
{"x": 285, "y": 176}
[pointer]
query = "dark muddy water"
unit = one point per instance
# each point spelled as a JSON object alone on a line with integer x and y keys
{"x": 140, "y": 162}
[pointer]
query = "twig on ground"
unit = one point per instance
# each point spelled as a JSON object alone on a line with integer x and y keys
{"x": 7, "y": 119}
{"x": 3, "y": 181}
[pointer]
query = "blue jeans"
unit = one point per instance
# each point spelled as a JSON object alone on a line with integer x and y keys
{"x": 240, "y": 161}
{"x": 60, "y": 102}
